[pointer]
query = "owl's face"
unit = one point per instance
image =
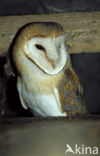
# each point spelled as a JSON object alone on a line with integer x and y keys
{"x": 43, "y": 45}
{"x": 48, "y": 54}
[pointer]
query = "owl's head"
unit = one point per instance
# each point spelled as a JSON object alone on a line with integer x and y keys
{"x": 41, "y": 45}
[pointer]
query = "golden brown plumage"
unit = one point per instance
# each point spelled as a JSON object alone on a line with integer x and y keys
{"x": 71, "y": 93}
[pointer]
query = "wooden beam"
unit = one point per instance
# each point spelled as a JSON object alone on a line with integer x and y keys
{"x": 82, "y": 29}
{"x": 48, "y": 137}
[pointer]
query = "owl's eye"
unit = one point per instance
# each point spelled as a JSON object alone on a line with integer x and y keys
{"x": 38, "y": 46}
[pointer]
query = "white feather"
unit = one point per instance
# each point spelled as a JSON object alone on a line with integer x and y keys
{"x": 40, "y": 104}
{"x": 57, "y": 98}
{"x": 46, "y": 105}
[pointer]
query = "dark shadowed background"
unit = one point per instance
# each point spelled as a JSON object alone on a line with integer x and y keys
{"x": 87, "y": 66}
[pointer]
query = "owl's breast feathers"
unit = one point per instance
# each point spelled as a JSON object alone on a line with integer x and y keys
{"x": 71, "y": 94}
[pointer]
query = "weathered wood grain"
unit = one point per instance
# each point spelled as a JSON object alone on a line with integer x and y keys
{"x": 82, "y": 29}
{"x": 47, "y": 137}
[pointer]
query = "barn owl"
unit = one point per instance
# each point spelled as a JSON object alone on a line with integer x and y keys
{"x": 46, "y": 81}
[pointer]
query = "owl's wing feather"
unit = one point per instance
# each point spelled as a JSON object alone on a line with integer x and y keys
{"x": 24, "y": 104}
{"x": 56, "y": 93}
{"x": 70, "y": 94}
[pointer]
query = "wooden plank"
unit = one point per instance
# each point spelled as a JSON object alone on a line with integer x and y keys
{"x": 82, "y": 29}
{"x": 36, "y": 137}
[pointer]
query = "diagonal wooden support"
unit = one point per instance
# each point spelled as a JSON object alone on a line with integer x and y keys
{"x": 83, "y": 29}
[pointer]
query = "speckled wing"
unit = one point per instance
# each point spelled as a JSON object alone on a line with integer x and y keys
{"x": 71, "y": 94}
